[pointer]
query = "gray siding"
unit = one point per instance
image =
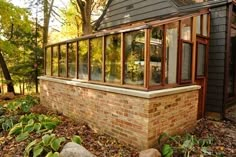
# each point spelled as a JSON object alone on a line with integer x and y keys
{"x": 126, "y": 11}
{"x": 217, "y": 51}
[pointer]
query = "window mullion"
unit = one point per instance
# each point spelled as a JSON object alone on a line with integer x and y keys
{"x": 163, "y": 66}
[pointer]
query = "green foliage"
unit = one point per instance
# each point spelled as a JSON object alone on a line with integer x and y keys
{"x": 77, "y": 139}
{"x": 33, "y": 122}
{"x": 24, "y": 104}
{"x": 49, "y": 145}
{"x": 7, "y": 122}
{"x": 186, "y": 145}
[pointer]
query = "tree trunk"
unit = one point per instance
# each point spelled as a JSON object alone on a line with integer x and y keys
{"x": 7, "y": 76}
{"x": 85, "y": 8}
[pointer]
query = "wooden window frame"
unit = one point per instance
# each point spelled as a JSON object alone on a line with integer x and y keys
{"x": 228, "y": 98}
{"x": 181, "y": 81}
{"x": 204, "y": 42}
{"x": 147, "y": 29}
{"x": 201, "y": 26}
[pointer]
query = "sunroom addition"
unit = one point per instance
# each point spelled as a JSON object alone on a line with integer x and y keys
{"x": 146, "y": 57}
{"x": 132, "y": 82}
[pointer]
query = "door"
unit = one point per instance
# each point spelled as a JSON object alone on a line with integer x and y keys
{"x": 201, "y": 73}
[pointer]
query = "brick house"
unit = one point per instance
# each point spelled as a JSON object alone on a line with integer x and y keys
{"x": 151, "y": 67}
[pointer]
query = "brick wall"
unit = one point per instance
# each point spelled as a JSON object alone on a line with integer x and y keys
{"x": 135, "y": 121}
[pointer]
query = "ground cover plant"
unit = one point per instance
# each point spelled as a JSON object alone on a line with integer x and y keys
{"x": 29, "y": 129}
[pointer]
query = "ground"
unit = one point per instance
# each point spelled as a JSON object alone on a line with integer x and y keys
{"x": 223, "y": 134}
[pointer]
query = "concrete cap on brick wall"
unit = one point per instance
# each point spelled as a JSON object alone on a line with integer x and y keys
{"x": 124, "y": 91}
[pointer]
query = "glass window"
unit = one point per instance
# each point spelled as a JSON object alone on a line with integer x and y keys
{"x": 205, "y": 25}
{"x": 186, "y": 61}
{"x": 113, "y": 60}
{"x": 198, "y": 24}
{"x": 186, "y": 29}
{"x": 96, "y": 59}
{"x": 156, "y": 50}
{"x": 233, "y": 17}
{"x": 134, "y": 58}
{"x": 48, "y": 61}
{"x": 171, "y": 52}
{"x": 72, "y": 50}
{"x": 231, "y": 64}
{"x": 201, "y": 52}
{"x": 83, "y": 59}
{"x": 62, "y": 61}
{"x": 55, "y": 61}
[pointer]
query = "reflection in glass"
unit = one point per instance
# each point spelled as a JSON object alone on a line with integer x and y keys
{"x": 48, "y": 61}
{"x": 72, "y": 49}
{"x": 62, "y": 61}
{"x": 198, "y": 24}
{"x": 134, "y": 58}
{"x": 96, "y": 59}
{"x": 201, "y": 59}
{"x": 171, "y": 52}
{"x": 204, "y": 26}
{"x": 113, "y": 60}
{"x": 55, "y": 61}
{"x": 156, "y": 45}
{"x": 83, "y": 59}
{"x": 186, "y": 29}
{"x": 186, "y": 61}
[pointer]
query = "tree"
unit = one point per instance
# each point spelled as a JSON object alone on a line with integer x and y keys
{"x": 17, "y": 38}
{"x": 10, "y": 17}
{"x": 87, "y": 9}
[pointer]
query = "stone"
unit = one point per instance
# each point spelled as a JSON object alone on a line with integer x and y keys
{"x": 150, "y": 153}
{"x": 72, "y": 149}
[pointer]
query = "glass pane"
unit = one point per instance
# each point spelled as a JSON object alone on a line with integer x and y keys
{"x": 134, "y": 58}
{"x": 201, "y": 59}
{"x": 156, "y": 45}
{"x": 233, "y": 19}
{"x": 62, "y": 61}
{"x": 205, "y": 25}
{"x": 231, "y": 64}
{"x": 48, "y": 61}
{"x": 171, "y": 52}
{"x": 113, "y": 60}
{"x": 55, "y": 61}
{"x": 72, "y": 59}
{"x": 186, "y": 29}
{"x": 83, "y": 59}
{"x": 186, "y": 61}
{"x": 198, "y": 24}
{"x": 96, "y": 59}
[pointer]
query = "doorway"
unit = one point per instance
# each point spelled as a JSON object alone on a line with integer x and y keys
{"x": 201, "y": 73}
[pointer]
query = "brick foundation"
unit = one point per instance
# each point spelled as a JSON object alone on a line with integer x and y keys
{"x": 136, "y": 121}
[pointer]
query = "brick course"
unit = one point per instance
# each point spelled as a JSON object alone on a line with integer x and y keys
{"x": 133, "y": 120}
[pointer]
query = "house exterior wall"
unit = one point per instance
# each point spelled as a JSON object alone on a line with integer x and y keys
{"x": 216, "y": 64}
{"x": 123, "y": 11}
{"x": 136, "y": 121}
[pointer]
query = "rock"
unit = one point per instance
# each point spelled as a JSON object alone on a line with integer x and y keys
{"x": 8, "y": 96}
{"x": 150, "y": 153}
{"x": 72, "y": 149}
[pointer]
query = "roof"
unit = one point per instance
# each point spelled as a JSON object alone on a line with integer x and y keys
{"x": 119, "y": 12}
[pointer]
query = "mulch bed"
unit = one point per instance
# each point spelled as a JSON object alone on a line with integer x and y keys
{"x": 224, "y": 134}
{"x": 99, "y": 144}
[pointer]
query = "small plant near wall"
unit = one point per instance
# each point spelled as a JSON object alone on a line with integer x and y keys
{"x": 32, "y": 123}
{"x": 186, "y": 146}
{"x": 48, "y": 146}
{"x": 22, "y": 105}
